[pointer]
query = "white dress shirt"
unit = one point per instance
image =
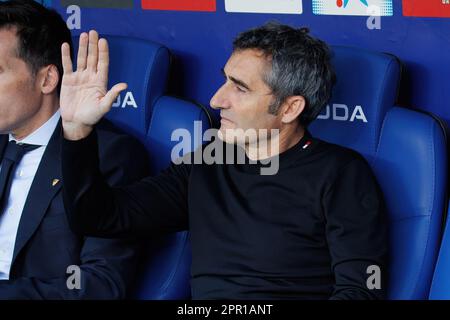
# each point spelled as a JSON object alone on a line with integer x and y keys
{"x": 21, "y": 184}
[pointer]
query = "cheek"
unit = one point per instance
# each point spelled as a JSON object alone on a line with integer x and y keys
{"x": 246, "y": 108}
{"x": 256, "y": 114}
{"x": 17, "y": 98}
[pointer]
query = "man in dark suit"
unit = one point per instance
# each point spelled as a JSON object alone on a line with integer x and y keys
{"x": 40, "y": 257}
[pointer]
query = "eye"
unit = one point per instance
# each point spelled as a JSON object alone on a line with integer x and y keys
{"x": 241, "y": 89}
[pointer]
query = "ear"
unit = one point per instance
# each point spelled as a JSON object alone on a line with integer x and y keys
{"x": 291, "y": 109}
{"x": 50, "y": 79}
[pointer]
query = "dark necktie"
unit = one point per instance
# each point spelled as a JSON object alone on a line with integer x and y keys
{"x": 11, "y": 157}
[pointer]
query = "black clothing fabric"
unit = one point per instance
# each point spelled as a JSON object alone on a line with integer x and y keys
{"x": 308, "y": 232}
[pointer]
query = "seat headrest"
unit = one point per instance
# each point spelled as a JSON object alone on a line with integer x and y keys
{"x": 366, "y": 88}
{"x": 170, "y": 114}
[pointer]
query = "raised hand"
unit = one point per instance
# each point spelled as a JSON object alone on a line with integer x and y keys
{"x": 84, "y": 98}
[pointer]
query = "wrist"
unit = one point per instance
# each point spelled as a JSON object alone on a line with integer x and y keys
{"x": 75, "y": 131}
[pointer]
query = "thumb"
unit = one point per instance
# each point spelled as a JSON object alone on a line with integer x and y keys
{"x": 111, "y": 96}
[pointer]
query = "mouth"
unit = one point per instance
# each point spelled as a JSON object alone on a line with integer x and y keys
{"x": 224, "y": 120}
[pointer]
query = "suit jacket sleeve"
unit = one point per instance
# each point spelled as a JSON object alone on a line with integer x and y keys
{"x": 106, "y": 266}
{"x": 356, "y": 233}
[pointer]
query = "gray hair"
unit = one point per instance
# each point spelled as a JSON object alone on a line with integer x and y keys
{"x": 300, "y": 65}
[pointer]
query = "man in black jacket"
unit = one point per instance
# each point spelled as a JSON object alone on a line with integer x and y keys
{"x": 310, "y": 226}
{"x": 40, "y": 256}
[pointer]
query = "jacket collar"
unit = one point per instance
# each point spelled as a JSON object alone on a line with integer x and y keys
{"x": 46, "y": 184}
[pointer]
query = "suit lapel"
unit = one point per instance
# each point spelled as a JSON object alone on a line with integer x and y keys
{"x": 3, "y": 142}
{"x": 46, "y": 183}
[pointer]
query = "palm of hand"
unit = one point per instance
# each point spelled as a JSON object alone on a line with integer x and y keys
{"x": 84, "y": 98}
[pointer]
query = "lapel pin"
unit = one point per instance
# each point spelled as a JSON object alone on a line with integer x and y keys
{"x": 55, "y": 182}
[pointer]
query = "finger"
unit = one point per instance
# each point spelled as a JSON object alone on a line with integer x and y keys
{"x": 92, "y": 59}
{"x": 82, "y": 52}
{"x": 111, "y": 96}
{"x": 66, "y": 59}
{"x": 103, "y": 60}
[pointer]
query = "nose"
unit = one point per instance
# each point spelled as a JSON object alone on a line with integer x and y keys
{"x": 220, "y": 99}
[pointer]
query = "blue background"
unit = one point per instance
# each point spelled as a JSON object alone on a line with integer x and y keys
{"x": 201, "y": 44}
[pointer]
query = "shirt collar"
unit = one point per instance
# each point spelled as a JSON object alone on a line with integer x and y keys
{"x": 42, "y": 135}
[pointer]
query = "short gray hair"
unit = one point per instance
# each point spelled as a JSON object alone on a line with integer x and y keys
{"x": 300, "y": 65}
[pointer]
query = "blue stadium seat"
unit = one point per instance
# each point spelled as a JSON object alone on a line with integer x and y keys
{"x": 172, "y": 113}
{"x": 407, "y": 152}
{"x": 366, "y": 88}
{"x": 146, "y": 113}
{"x": 440, "y": 287}
{"x": 166, "y": 267}
{"x": 144, "y": 65}
{"x": 411, "y": 166}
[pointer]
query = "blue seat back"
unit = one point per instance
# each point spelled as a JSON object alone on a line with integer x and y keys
{"x": 144, "y": 66}
{"x": 406, "y": 150}
{"x": 170, "y": 114}
{"x": 366, "y": 88}
{"x": 411, "y": 167}
{"x": 167, "y": 261}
